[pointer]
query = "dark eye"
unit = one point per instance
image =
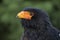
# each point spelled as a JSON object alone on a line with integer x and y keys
{"x": 32, "y": 14}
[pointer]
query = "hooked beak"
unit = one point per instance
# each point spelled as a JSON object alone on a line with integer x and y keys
{"x": 24, "y": 15}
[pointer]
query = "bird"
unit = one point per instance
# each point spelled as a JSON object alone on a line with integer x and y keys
{"x": 37, "y": 25}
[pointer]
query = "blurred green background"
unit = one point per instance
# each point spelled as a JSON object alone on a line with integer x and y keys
{"x": 10, "y": 27}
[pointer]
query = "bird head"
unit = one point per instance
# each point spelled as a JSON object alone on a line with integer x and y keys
{"x": 32, "y": 17}
{"x": 28, "y": 14}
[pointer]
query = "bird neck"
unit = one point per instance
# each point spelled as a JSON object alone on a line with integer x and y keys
{"x": 40, "y": 29}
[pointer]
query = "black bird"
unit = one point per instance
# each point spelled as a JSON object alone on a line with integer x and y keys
{"x": 37, "y": 25}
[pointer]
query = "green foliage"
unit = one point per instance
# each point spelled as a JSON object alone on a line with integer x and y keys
{"x": 10, "y": 27}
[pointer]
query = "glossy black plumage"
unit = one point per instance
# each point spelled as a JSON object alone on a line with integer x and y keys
{"x": 39, "y": 27}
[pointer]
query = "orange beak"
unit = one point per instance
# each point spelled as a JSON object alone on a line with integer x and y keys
{"x": 24, "y": 15}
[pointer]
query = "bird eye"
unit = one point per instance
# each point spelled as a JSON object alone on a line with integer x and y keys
{"x": 32, "y": 14}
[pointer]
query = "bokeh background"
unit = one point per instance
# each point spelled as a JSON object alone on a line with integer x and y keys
{"x": 10, "y": 26}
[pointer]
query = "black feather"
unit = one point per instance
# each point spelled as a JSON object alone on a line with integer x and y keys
{"x": 40, "y": 27}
